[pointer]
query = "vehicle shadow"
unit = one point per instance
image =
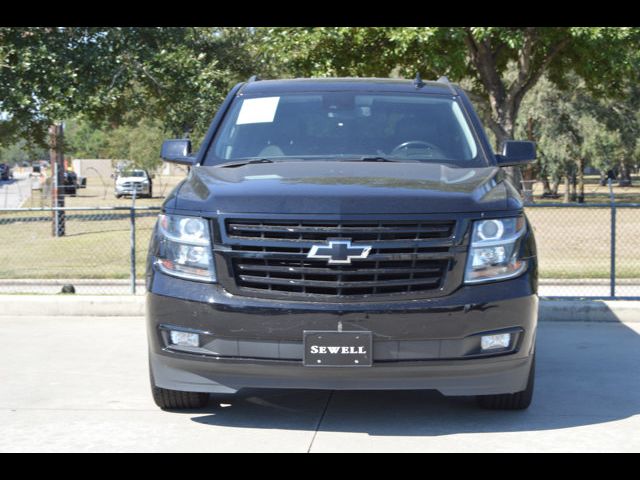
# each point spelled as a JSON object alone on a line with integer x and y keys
{"x": 587, "y": 373}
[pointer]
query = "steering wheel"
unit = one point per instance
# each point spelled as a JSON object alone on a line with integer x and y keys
{"x": 413, "y": 144}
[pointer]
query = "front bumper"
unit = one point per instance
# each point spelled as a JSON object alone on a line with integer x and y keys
{"x": 418, "y": 344}
{"x": 138, "y": 188}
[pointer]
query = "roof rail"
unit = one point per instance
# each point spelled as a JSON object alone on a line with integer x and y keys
{"x": 253, "y": 78}
{"x": 445, "y": 80}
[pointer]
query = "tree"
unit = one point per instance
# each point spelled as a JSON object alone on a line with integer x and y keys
{"x": 48, "y": 74}
{"x": 178, "y": 75}
{"x": 575, "y": 129}
{"x": 84, "y": 139}
{"x": 21, "y": 151}
{"x": 621, "y": 116}
{"x": 497, "y": 65}
{"x": 138, "y": 145}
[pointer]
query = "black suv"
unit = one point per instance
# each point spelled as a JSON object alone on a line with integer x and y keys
{"x": 343, "y": 234}
{"x": 5, "y": 172}
{"x": 70, "y": 183}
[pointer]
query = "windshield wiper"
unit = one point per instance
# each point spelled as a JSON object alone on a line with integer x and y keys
{"x": 248, "y": 162}
{"x": 376, "y": 159}
{"x": 365, "y": 158}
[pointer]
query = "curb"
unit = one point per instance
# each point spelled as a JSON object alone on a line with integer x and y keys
{"x": 72, "y": 305}
{"x": 583, "y": 310}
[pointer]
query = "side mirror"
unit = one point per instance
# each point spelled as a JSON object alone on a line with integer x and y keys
{"x": 516, "y": 153}
{"x": 177, "y": 151}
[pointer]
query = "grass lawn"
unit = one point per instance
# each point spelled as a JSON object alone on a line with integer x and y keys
{"x": 576, "y": 243}
{"x": 95, "y": 248}
{"x": 98, "y": 248}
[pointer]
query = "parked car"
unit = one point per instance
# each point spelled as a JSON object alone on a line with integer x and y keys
{"x": 70, "y": 185}
{"x": 344, "y": 234}
{"x": 134, "y": 180}
{"x": 6, "y": 173}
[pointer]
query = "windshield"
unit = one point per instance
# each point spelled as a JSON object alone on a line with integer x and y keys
{"x": 344, "y": 125}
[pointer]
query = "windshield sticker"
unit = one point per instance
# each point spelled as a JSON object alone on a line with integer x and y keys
{"x": 258, "y": 110}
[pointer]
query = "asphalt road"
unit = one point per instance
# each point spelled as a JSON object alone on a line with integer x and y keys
{"x": 80, "y": 384}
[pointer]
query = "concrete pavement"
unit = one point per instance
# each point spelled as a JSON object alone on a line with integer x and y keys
{"x": 80, "y": 384}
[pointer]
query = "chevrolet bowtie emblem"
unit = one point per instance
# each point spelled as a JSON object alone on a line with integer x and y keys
{"x": 339, "y": 251}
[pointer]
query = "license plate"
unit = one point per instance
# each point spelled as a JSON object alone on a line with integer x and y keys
{"x": 337, "y": 349}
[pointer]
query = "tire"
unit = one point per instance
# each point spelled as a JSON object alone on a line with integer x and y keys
{"x": 118, "y": 196}
{"x": 175, "y": 399}
{"x": 511, "y": 401}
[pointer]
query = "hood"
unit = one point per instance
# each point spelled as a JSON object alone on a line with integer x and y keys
{"x": 319, "y": 187}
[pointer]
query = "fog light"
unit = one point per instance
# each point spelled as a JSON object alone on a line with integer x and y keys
{"x": 184, "y": 339}
{"x": 491, "y": 342}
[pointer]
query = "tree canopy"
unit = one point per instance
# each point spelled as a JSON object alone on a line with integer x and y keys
{"x": 497, "y": 65}
{"x": 178, "y": 75}
{"x": 577, "y": 84}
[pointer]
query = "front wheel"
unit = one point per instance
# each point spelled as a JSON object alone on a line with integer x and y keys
{"x": 511, "y": 401}
{"x": 175, "y": 399}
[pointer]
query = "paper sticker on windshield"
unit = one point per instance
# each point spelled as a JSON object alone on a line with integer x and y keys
{"x": 258, "y": 110}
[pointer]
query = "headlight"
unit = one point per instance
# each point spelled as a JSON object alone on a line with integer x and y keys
{"x": 493, "y": 254}
{"x": 184, "y": 248}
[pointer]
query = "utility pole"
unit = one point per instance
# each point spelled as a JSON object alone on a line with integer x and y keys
{"x": 56, "y": 158}
{"x": 528, "y": 177}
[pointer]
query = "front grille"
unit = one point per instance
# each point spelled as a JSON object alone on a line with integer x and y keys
{"x": 270, "y": 257}
{"x": 370, "y": 231}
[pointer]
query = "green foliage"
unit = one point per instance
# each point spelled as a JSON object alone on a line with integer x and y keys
{"x": 327, "y": 51}
{"x": 83, "y": 139}
{"x": 19, "y": 152}
{"x": 130, "y": 86}
{"x": 576, "y": 124}
{"x": 140, "y": 144}
{"x": 177, "y": 75}
{"x": 499, "y": 65}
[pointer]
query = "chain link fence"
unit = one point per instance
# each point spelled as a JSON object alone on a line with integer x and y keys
{"x": 102, "y": 250}
{"x": 588, "y": 250}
